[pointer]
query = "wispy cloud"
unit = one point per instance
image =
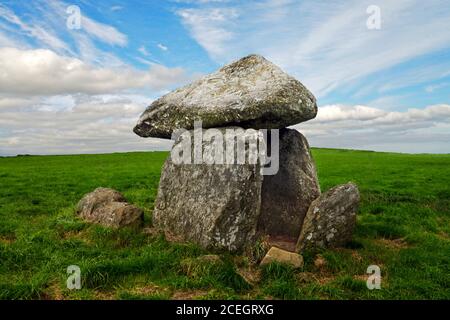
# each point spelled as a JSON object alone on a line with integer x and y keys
{"x": 432, "y": 88}
{"x": 211, "y": 28}
{"x": 50, "y": 31}
{"x": 326, "y": 45}
{"x": 116, "y": 8}
{"x": 97, "y": 30}
{"x": 143, "y": 50}
{"x": 103, "y": 32}
{"x": 35, "y": 31}
{"x": 162, "y": 47}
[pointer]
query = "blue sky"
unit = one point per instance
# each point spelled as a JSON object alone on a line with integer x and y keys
{"x": 81, "y": 90}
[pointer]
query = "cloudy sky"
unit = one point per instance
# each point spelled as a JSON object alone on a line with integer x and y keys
{"x": 65, "y": 89}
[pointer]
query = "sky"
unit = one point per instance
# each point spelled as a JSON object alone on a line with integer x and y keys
{"x": 69, "y": 87}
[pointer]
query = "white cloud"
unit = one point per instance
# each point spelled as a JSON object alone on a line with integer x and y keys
{"x": 41, "y": 34}
{"x": 56, "y": 10}
{"x": 94, "y": 124}
{"x": 162, "y": 47}
{"x": 6, "y": 41}
{"x": 363, "y": 127}
{"x": 148, "y": 61}
{"x": 103, "y": 123}
{"x": 50, "y": 98}
{"x": 339, "y": 112}
{"x": 326, "y": 45}
{"x": 14, "y": 103}
{"x": 432, "y": 70}
{"x": 43, "y": 72}
{"x": 210, "y": 28}
{"x": 46, "y": 28}
{"x": 103, "y": 32}
{"x": 116, "y": 8}
{"x": 143, "y": 50}
{"x": 89, "y": 53}
{"x": 432, "y": 88}
{"x": 369, "y": 115}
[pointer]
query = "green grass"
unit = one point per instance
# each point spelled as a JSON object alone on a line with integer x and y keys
{"x": 403, "y": 226}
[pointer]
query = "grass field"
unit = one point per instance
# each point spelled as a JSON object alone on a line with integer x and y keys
{"x": 403, "y": 227}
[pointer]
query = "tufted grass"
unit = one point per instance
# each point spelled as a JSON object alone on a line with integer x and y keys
{"x": 403, "y": 227}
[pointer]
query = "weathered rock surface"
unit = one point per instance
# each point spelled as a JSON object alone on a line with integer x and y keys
{"x": 287, "y": 195}
{"x": 251, "y": 93}
{"x": 331, "y": 218}
{"x": 108, "y": 207}
{"x": 214, "y": 205}
{"x": 282, "y": 256}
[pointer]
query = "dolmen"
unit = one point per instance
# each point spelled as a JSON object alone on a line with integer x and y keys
{"x": 236, "y": 172}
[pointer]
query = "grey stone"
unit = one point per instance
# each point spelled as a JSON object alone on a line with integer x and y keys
{"x": 287, "y": 195}
{"x": 98, "y": 198}
{"x": 331, "y": 218}
{"x": 214, "y": 205}
{"x": 109, "y": 208}
{"x": 251, "y": 93}
{"x": 282, "y": 256}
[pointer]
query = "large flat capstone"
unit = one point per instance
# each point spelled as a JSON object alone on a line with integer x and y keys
{"x": 251, "y": 93}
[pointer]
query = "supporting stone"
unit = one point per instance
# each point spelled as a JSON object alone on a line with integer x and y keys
{"x": 214, "y": 205}
{"x": 331, "y": 218}
{"x": 287, "y": 195}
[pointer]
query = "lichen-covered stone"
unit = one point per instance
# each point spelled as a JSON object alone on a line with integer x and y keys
{"x": 331, "y": 218}
{"x": 214, "y": 205}
{"x": 109, "y": 208}
{"x": 251, "y": 93}
{"x": 282, "y": 256}
{"x": 287, "y": 195}
{"x": 99, "y": 197}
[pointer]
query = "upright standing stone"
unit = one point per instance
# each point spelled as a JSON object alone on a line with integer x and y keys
{"x": 287, "y": 195}
{"x": 214, "y": 205}
{"x": 331, "y": 218}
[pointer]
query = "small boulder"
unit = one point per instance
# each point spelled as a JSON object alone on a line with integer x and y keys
{"x": 109, "y": 208}
{"x": 99, "y": 197}
{"x": 250, "y": 93}
{"x": 330, "y": 219}
{"x": 282, "y": 256}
